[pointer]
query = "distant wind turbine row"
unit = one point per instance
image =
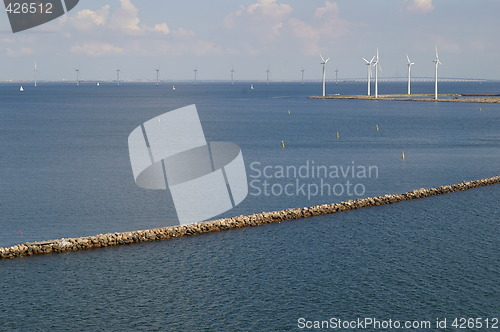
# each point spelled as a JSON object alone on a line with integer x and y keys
{"x": 373, "y": 62}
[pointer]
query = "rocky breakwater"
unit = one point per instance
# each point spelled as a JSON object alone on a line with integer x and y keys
{"x": 113, "y": 239}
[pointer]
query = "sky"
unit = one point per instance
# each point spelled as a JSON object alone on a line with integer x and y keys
{"x": 139, "y": 36}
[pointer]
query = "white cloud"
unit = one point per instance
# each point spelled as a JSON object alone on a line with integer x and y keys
{"x": 263, "y": 20}
{"x": 95, "y": 48}
{"x": 330, "y": 7}
{"x": 422, "y": 6}
{"x": 19, "y": 52}
{"x": 269, "y": 8}
{"x": 87, "y": 19}
{"x": 162, "y": 27}
{"x": 126, "y": 19}
{"x": 308, "y": 35}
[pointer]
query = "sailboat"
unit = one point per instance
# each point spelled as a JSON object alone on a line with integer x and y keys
{"x": 98, "y": 84}
{"x": 251, "y": 86}
{"x": 21, "y": 88}
{"x": 173, "y": 87}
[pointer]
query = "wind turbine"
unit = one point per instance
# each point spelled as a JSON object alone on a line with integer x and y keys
{"x": 77, "y": 77}
{"x": 369, "y": 72}
{"x": 437, "y": 62}
{"x": 195, "y": 76}
{"x": 302, "y": 71}
{"x": 336, "y": 76}
{"x": 323, "y": 62}
{"x": 267, "y": 75}
{"x": 35, "y": 71}
{"x": 409, "y": 72}
{"x": 157, "y": 76}
{"x": 232, "y": 76}
{"x": 118, "y": 77}
{"x": 376, "y": 64}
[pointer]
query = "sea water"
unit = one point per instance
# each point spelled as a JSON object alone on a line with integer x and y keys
{"x": 65, "y": 172}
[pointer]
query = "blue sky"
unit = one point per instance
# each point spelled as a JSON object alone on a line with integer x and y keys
{"x": 98, "y": 36}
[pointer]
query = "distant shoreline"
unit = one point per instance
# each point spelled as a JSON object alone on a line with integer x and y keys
{"x": 458, "y": 98}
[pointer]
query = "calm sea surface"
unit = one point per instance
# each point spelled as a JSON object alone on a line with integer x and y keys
{"x": 65, "y": 172}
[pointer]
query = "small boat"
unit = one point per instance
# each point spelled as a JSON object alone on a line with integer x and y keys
{"x": 98, "y": 84}
{"x": 173, "y": 87}
{"x": 21, "y": 88}
{"x": 251, "y": 86}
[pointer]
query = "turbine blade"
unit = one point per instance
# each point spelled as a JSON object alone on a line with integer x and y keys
{"x": 327, "y": 60}
{"x": 367, "y": 62}
{"x": 322, "y": 59}
{"x": 408, "y": 58}
{"x": 371, "y": 61}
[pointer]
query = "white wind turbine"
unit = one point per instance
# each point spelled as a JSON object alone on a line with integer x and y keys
{"x": 409, "y": 72}
{"x": 77, "y": 70}
{"x": 437, "y": 62}
{"x": 376, "y": 64}
{"x": 118, "y": 77}
{"x": 323, "y": 62}
{"x": 232, "y": 76}
{"x": 35, "y": 71}
{"x": 369, "y": 71}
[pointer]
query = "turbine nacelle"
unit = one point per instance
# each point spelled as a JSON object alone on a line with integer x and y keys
{"x": 436, "y": 61}
{"x": 323, "y": 61}
{"x": 409, "y": 62}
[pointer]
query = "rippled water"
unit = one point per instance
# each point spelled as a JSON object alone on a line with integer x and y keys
{"x": 64, "y": 172}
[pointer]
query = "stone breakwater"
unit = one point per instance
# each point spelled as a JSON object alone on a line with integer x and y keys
{"x": 114, "y": 239}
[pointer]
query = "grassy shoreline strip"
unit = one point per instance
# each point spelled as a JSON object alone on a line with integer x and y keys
{"x": 113, "y": 239}
{"x": 456, "y": 98}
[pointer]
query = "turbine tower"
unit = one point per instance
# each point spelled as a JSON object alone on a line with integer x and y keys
{"x": 232, "y": 76}
{"x": 157, "y": 76}
{"x": 118, "y": 77}
{"x": 323, "y": 62}
{"x": 437, "y": 62}
{"x": 409, "y": 72}
{"x": 336, "y": 76}
{"x": 77, "y": 77}
{"x": 369, "y": 72}
{"x": 267, "y": 75}
{"x": 376, "y": 64}
{"x": 195, "y": 76}
{"x": 35, "y": 71}
{"x": 302, "y": 71}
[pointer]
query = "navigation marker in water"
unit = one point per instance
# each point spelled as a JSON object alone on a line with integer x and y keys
{"x": 402, "y": 155}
